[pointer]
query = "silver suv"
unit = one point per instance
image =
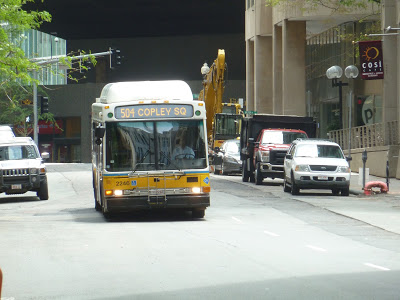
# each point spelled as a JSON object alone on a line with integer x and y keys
{"x": 316, "y": 164}
{"x": 22, "y": 168}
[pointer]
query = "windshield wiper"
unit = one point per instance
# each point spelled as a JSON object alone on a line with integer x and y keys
{"x": 169, "y": 160}
{"x": 141, "y": 161}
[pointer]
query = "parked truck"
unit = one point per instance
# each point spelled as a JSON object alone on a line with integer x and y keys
{"x": 264, "y": 141}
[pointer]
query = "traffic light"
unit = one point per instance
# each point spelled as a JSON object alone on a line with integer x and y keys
{"x": 44, "y": 105}
{"x": 116, "y": 58}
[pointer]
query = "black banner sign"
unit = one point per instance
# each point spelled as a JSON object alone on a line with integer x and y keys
{"x": 371, "y": 60}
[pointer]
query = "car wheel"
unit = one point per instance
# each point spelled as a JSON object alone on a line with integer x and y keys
{"x": 345, "y": 191}
{"x": 252, "y": 177}
{"x": 245, "y": 173}
{"x": 335, "y": 192}
{"x": 105, "y": 212}
{"x": 258, "y": 174}
{"x": 97, "y": 205}
{"x": 224, "y": 172}
{"x": 198, "y": 213}
{"x": 286, "y": 188}
{"x": 216, "y": 172}
{"x": 43, "y": 192}
{"x": 295, "y": 189}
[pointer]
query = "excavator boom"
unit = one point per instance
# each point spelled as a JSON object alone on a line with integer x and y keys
{"x": 213, "y": 89}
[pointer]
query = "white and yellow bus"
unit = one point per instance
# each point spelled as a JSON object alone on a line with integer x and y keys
{"x": 137, "y": 130}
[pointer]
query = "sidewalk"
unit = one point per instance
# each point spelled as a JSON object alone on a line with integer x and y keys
{"x": 378, "y": 209}
{"x": 356, "y": 186}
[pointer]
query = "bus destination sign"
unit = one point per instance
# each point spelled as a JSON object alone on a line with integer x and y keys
{"x": 154, "y": 111}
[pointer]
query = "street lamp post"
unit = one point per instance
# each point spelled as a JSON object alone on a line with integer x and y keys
{"x": 351, "y": 72}
{"x": 334, "y": 73}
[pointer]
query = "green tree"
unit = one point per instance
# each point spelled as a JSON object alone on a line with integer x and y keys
{"x": 17, "y": 70}
{"x": 14, "y": 65}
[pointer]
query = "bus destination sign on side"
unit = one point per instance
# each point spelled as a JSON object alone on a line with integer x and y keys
{"x": 154, "y": 111}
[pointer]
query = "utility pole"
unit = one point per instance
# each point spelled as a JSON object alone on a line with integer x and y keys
{"x": 35, "y": 110}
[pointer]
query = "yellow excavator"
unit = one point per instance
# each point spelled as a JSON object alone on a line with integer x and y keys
{"x": 223, "y": 118}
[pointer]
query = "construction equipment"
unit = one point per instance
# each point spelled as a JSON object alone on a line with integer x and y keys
{"x": 223, "y": 118}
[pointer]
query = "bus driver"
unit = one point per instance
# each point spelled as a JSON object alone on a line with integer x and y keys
{"x": 182, "y": 151}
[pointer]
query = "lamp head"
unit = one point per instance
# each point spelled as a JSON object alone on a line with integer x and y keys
{"x": 351, "y": 71}
{"x": 334, "y": 72}
{"x": 204, "y": 69}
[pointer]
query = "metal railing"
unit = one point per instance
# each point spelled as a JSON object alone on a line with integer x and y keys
{"x": 367, "y": 136}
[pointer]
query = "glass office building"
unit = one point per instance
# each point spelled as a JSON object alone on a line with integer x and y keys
{"x": 43, "y": 46}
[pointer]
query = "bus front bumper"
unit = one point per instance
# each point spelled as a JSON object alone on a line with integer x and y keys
{"x": 120, "y": 204}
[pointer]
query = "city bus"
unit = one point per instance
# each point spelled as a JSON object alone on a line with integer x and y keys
{"x": 137, "y": 128}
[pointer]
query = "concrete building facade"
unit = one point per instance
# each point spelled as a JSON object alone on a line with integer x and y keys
{"x": 290, "y": 46}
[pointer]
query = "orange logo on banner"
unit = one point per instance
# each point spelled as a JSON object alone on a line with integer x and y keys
{"x": 368, "y": 51}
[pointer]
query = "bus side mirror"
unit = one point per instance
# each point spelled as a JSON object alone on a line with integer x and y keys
{"x": 99, "y": 134}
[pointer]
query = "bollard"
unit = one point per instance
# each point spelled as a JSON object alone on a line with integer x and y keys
{"x": 1, "y": 281}
{"x": 364, "y": 159}
{"x": 387, "y": 174}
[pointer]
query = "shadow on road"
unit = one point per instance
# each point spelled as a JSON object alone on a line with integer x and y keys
{"x": 153, "y": 216}
{"x": 90, "y": 215}
{"x": 15, "y": 199}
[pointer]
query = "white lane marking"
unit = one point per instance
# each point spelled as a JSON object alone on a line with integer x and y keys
{"x": 270, "y": 233}
{"x": 376, "y": 267}
{"x": 316, "y": 248}
{"x": 237, "y": 220}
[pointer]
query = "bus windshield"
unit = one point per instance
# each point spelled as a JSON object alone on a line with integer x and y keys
{"x": 151, "y": 146}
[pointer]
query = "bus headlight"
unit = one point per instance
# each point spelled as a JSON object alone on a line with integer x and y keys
{"x": 196, "y": 190}
{"x": 118, "y": 193}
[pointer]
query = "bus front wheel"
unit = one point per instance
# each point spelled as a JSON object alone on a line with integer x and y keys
{"x": 198, "y": 213}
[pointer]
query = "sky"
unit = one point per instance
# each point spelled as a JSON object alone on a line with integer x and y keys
{"x": 95, "y": 19}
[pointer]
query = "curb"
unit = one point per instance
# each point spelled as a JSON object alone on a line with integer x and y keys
{"x": 355, "y": 192}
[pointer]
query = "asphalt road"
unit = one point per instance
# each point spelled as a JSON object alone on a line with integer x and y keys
{"x": 255, "y": 242}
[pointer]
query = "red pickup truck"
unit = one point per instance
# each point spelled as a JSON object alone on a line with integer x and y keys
{"x": 269, "y": 152}
{"x": 264, "y": 141}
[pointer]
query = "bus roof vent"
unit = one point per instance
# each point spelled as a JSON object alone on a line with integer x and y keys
{"x": 146, "y": 90}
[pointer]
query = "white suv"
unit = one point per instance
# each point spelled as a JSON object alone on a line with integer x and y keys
{"x": 316, "y": 164}
{"x": 22, "y": 168}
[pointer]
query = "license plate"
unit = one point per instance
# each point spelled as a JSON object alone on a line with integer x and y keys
{"x": 16, "y": 187}
{"x": 323, "y": 177}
